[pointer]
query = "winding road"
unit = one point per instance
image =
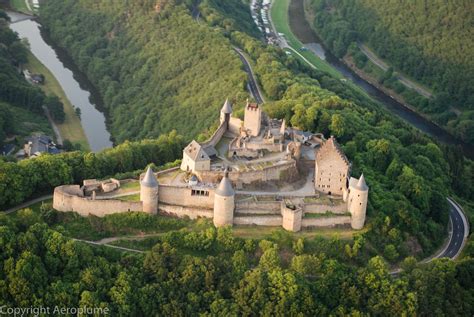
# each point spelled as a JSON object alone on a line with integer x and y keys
{"x": 458, "y": 233}
{"x": 252, "y": 84}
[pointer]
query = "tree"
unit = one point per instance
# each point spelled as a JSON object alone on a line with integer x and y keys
{"x": 338, "y": 126}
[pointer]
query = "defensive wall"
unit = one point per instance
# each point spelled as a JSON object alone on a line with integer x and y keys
{"x": 216, "y": 136}
{"x": 71, "y": 198}
{"x": 325, "y": 221}
{"x": 182, "y": 211}
{"x": 318, "y": 208}
{"x": 200, "y": 197}
{"x": 265, "y": 174}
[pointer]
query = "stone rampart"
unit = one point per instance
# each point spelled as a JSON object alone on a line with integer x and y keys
{"x": 318, "y": 208}
{"x": 234, "y": 125}
{"x": 68, "y": 198}
{"x": 268, "y": 206}
{"x": 272, "y": 221}
{"x": 216, "y": 136}
{"x": 247, "y": 177}
{"x": 181, "y": 211}
{"x": 186, "y": 196}
{"x": 325, "y": 221}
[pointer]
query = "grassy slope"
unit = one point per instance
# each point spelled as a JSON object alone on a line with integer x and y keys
{"x": 280, "y": 19}
{"x": 71, "y": 129}
{"x": 20, "y": 6}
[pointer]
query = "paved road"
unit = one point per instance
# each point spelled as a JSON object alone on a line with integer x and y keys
{"x": 405, "y": 81}
{"x": 252, "y": 85}
{"x": 59, "y": 138}
{"x": 460, "y": 231}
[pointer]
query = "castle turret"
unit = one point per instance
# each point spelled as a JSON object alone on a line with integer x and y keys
{"x": 224, "y": 203}
{"x": 149, "y": 192}
{"x": 357, "y": 201}
{"x": 226, "y": 111}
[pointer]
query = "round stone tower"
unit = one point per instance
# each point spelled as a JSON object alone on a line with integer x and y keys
{"x": 149, "y": 192}
{"x": 224, "y": 203}
{"x": 358, "y": 196}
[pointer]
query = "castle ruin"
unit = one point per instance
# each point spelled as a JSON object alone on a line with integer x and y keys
{"x": 252, "y": 172}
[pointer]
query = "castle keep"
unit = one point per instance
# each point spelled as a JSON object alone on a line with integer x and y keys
{"x": 252, "y": 172}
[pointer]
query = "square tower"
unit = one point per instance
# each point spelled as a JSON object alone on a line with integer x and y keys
{"x": 253, "y": 119}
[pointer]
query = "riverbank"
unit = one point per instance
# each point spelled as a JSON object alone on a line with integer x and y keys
{"x": 349, "y": 62}
{"x": 71, "y": 129}
{"x": 293, "y": 13}
{"x": 398, "y": 86}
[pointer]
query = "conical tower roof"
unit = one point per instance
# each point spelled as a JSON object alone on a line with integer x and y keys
{"x": 225, "y": 187}
{"x": 361, "y": 184}
{"x": 149, "y": 179}
{"x": 227, "y": 107}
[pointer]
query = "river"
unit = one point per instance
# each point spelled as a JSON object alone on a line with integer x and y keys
{"x": 75, "y": 85}
{"x": 303, "y": 31}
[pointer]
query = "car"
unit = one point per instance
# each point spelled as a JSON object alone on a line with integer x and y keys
{"x": 303, "y": 48}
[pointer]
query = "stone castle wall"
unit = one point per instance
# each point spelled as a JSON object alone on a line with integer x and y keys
{"x": 216, "y": 136}
{"x": 325, "y": 222}
{"x": 247, "y": 177}
{"x": 258, "y": 207}
{"x": 70, "y": 198}
{"x": 186, "y": 196}
{"x": 316, "y": 208}
{"x": 234, "y": 125}
{"x": 181, "y": 211}
{"x": 270, "y": 220}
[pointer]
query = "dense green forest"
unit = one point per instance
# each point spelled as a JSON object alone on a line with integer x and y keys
{"x": 429, "y": 40}
{"x": 155, "y": 68}
{"x": 20, "y": 103}
{"x": 209, "y": 271}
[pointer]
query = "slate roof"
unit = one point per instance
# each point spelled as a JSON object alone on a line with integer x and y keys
{"x": 195, "y": 151}
{"x": 149, "y": 180}
{"x": 227, "y": 107}
{"x": 225, "y": 188}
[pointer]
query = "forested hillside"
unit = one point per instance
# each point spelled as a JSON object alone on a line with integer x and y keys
{"x": 429, "y": 40}
{"x": 20, "y": 102}
{"x": 156, "y": 69}
{"x": 207, "y": 271}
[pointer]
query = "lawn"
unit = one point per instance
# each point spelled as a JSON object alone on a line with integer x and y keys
{"x": 130, "y": 185}
{"x": 134, "y": 197}
{"x": 71, "y": 129}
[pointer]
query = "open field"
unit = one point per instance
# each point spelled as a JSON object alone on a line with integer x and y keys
{"x": 71, "y": 129}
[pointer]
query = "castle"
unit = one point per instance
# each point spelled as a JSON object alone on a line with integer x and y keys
{"x": 252, "y": 172}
